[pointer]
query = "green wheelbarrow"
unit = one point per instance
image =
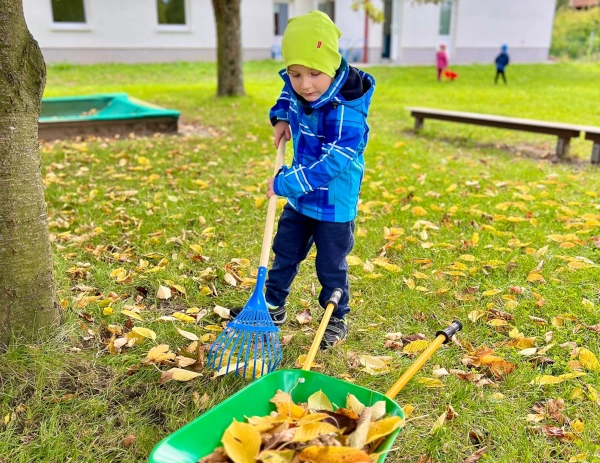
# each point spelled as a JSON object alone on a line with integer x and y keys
{"x": 201, "y": 436}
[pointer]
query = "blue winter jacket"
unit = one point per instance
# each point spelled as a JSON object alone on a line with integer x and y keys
{"x": 329, "y": 138}
{"x": 502, "y": 61}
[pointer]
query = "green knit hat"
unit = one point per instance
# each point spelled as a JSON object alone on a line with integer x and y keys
{"x": 312, "y": 41}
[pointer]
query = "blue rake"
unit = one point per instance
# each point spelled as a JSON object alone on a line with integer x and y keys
{"x": 249, "y": 345}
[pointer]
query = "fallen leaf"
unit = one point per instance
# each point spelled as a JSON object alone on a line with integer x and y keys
{"x": 329, "y": 454}
{"x": 128, "y": 441}
{"x": 304, "y": 317}
{"x": 241, "y": 442}
{"x": 163, "y": 292}
{"x": 178, "y": 374}
{"x": 187, "y": 334}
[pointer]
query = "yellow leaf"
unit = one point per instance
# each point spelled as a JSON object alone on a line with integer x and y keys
{"x": 241, "y": 442}
{"x": 205, "y": 291}
{"x": 330, "y": 454}
{"x": 208, "y": 337}
{"x": 497, "y": 322}
{"x": 577, "y": 426}
{"x": 145, "y": 332}
{"x": 418, "y": 210}
{"x": 467, "y": 258}
{"x": 187, "y": 335}
{"x": 431, "y": 382}
{"x": 408, "y": 409}
{"x": 159, "y": 354}
{"x": 354, "y": 404}
{"x": 491, "y": 292}
{"x": 475, "y": 315}
{"x": 184, "y": 318}
{"x": 534, "y": 276}
{"x": 215, "y": 328}
{"x": 276, "y": 456}
{"x": 588, "y": 359}
{"x": 415, "y": 346}
{"x": 384, "y": 427}
{"x": 409, "y": 282}
{"x": 439, "y": 423}
{"x": 178, "y": 374}
{"x": 311, "y": 431}
{"x": 108, "y": 311}
{"x": 319, "y": 401}
{"x": 353, "y": 260}
{"x": 131, "y": 314}
{"x": 549, "y": 379}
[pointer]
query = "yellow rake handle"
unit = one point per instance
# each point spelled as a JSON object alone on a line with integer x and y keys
{"x": 314, "y": 347}
{"x": 441, "y": 338}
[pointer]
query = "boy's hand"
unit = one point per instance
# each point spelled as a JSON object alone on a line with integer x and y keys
{"x": 270, "y": 191}
{"x": 281, "y": 129}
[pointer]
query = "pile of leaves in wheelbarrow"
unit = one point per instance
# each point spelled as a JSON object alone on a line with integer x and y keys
{"x": 311, "y": 432}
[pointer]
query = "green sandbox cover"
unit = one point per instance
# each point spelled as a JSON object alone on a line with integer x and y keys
{"x": 105, "y": 115}
{"x": 113, "y": 106}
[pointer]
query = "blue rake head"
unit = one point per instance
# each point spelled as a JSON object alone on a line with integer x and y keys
{"x": 249, "y": 345}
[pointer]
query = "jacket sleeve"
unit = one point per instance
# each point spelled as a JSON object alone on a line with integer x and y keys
{"x": 345, "y": 129}
{"x": 279, "y": 112}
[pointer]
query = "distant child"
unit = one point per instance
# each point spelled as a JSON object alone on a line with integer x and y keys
{"x": 323, "y": 108}
{"x": 502, "y": 61}
{"x": 441, "y": 60}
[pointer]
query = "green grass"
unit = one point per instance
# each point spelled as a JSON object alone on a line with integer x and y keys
{"x": 68, "y": 399}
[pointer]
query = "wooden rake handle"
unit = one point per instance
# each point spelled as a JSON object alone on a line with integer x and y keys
{"x": 272, "y": 209}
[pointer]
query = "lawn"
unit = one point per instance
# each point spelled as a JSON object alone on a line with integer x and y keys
{"x": 460, "y": 222}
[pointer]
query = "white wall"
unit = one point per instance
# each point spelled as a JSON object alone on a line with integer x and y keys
{"x": 418, "y": 34}
{"x": 128, "y": 30}
{"x": 519, "y": 23}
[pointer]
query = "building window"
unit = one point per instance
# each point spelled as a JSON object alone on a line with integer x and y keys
{"x": 68, "y": 11}
{"x": 281, "y": 17}
{"x": 171, "y": 12}
{"x": 445, "y": 17}
{"x": 328, "y": 8}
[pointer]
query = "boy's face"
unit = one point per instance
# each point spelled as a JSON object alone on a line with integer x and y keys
{"x": 309, "y": 83}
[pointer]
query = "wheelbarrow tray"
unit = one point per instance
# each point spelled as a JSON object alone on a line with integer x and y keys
{"x": 201, "y": 436}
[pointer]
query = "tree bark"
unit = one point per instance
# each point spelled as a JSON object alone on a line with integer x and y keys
{"x": 229, "y": 47}
{"x": 27, "y": 291}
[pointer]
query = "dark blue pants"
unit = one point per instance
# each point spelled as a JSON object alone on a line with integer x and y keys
{"x": 295, "y": 235}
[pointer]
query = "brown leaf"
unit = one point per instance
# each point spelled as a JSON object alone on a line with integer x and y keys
{"x": 218, "y": 456}
{"x": 129, "y": 440}
{"x": 358, "y": 438}
{"x": 476, "y": 456}
{"x": 304, "y": 317}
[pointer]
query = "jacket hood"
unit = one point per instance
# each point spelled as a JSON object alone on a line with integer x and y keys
{"x": 333, "y": 94}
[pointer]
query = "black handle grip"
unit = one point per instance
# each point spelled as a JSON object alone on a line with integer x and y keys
{"x": 335, "y": 297}
{"x": 450, "y": 331}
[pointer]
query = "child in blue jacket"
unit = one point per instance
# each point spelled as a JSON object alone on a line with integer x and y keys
{"x": 502, "y": 61}
{"x": 323, "y": 108}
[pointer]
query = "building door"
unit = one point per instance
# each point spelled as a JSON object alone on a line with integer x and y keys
{"x": 387, "y": 30}
{"x": 445, "y": 27}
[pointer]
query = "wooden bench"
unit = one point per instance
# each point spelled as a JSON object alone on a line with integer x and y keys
{"x": 593, "y": 134}
{"x": 564, "y": 132}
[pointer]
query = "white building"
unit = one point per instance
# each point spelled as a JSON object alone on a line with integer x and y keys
{"x": 91, "y": 31}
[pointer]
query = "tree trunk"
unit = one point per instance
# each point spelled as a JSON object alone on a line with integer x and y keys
{"x": 229, "y": 47}
{"x": 27, "y": 293}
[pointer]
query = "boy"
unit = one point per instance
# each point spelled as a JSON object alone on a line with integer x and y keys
{"x": 323, "y": 108}
{"x": 502, "y": 61}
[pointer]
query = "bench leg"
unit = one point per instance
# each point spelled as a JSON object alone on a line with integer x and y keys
{"x": 595, "y": 153}
{"x": 562, "y": 147}
{"x": 419, "y": 123}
